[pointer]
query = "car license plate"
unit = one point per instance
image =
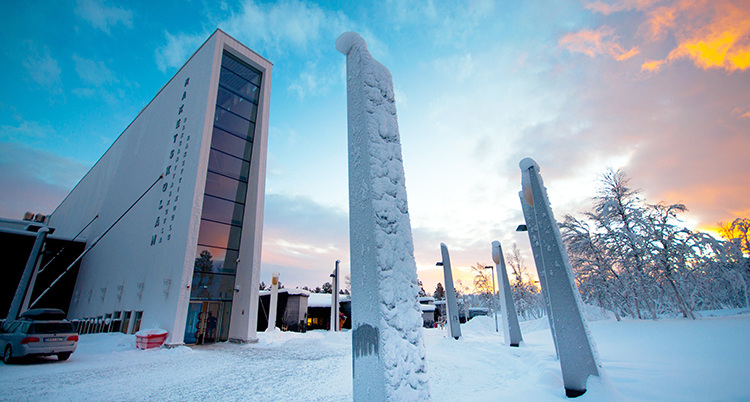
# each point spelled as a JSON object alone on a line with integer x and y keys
{"x": 54, "y": 339}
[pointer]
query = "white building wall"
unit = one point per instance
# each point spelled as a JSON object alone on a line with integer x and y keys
{"x": 125, "y": 271}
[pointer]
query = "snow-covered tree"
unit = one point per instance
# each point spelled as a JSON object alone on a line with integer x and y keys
{"x": 439, "y": 292}
{"x": 629, "y": 256}
{"x": 483, "y": 286}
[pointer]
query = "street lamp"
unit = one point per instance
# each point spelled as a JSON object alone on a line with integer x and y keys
{"x": 494, "y": 293}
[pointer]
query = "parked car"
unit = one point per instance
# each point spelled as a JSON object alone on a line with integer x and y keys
{"x": 38, "y": 332}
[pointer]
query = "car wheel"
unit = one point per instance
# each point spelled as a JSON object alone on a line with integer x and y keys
{"x": 8, "y": 355}
{"x": 63, "y": 356}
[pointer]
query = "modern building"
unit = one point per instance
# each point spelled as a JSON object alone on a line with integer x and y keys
{"x": 175, "y": 206}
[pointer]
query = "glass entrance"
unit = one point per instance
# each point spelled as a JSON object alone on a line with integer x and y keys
{"x": 207, "y": 322}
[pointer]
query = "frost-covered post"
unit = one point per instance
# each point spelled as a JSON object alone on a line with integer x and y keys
{"x": 387, "y": 347}
{"x": 511, "y": 329}
{"x": 274, "y": 302}
{"x": 578, "y": 357}
{"x": 533, "y": 230}
{"x": 451, "y": 305}
{"x": 334, "y": 326}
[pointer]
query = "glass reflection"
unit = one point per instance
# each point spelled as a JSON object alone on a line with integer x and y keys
{"x": 216, "y": 260}
{"x": 225, "y": 187}
{"x": 229, "y": 121}
{"x": 231, "y": 144}
{"x": 245, "y": 71}
{"x": 238, "y": 85}
{"x": 220, "y": 210}
{"x": 211, "y": 286}
{"x": 219, "y": 235}
{"x": 236, "y": 104}
{"x": 227, "y": 165}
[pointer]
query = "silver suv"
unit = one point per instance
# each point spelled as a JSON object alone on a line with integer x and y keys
{"x": 38, "y": 332}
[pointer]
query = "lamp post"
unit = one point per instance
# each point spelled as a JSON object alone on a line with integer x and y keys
{"x": 334, "y": 326}
{"x": 494, "y": 294}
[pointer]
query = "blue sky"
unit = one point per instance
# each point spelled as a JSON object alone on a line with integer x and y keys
{"x": 660, "y": 89}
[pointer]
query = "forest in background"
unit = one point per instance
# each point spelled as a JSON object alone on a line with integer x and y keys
{"x": 638, "y": 260}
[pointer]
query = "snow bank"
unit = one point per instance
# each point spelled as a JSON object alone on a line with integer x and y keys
{"x": 675, "y": 360}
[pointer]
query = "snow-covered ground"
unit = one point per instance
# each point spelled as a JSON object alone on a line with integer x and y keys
{"x": 666, "y": 360}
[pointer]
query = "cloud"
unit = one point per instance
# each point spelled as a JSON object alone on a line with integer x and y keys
{"x": 592, "y": 43}
{"x": 26, "y": 131}
{"x": 177, "y": 49}
{"x": 712, "y": 34}
{"x": 269, "y": 28}
{"x": 102, "y": 17}
{"x": 680, "y": 135}
{"x": 301, "y": 238}
{"x": 38, "y": 180}
{"x": 288, "y": 24}
{"x": 43, "y": 69}
{"x": 621, "y": 5}
{"x": 311, "y": 81}
{"x": 741, "y": 112}
{"x": 93, "y": 72}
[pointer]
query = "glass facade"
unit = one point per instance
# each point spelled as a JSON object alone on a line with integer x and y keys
{"x": 223, "y": 202}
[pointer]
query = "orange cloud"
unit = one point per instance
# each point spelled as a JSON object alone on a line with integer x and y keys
{"x": 622, "y": 5}
{"x": 710, "y": 33}
{"x": 741, "y": 113}
{"x": 593, "y": 43}
{"x": 652, "y": 65}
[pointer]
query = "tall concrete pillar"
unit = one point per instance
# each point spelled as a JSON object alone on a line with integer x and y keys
{"x": 451, "y": 304}
{"x": 388, "y": 351}
{"x": 23, "y": 286}
{"x": 273, "y": 303}
{"x": 577, "y": 352}
{"x": 511, "y": 328}
{"x": 533, "y": 231}
{"x": 334, "y": 326}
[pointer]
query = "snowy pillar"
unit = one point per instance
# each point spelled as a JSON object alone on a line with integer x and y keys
{"x": 451, "y": 306}
{"x": 578, "y": 357}
{"x": 387, "y": 347}
{"x": 23, "y": 286}
{"x": 533, "y": 230}
{"x": 274, "y": 301}
{"x": 334, "y": 326}
{"x": 511, "y": 328}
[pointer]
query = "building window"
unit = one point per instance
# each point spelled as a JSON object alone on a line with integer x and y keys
{"x": 137, "y": 323}
{"x": 125, "y": 322}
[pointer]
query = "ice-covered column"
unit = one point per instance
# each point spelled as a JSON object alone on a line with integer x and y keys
{"x": 511, "y": 329}
{"x": 451, "y": 305}
{"x": 274, "y": 302}
{"x": 533, "y": 231}
{"x": 334, "y": 326}
{"x": 387, "y": 345}
{"x": 576, "y": 349}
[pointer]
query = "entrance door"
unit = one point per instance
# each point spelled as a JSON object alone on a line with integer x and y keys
{"x": 204, "y": 322}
